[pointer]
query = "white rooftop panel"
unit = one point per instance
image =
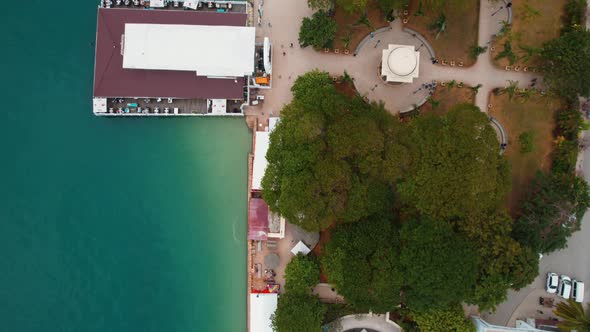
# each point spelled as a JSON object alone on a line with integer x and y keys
{"x": 262, "y": 141}
{"x": 208, "y": 50}
{"x": 262, "y": 306}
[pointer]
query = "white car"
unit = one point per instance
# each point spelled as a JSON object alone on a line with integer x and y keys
{"x": 552, "y": 281}
{"x": 565, "y": 286}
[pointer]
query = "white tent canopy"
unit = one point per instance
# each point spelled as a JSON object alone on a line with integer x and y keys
{"x": 99, "y": 105}
{"x": 260, "y": 163}
{"x": 218, "y": 106}
{"x": 262, "y": 306}
{"x": 157, "y": 3}
{"x": 214, "y": 51}
{"x": 300, "y": 247}
{"x": 192, "y": 4}
{"x": 267, "y": 55}
{"x": 272, "y": 123}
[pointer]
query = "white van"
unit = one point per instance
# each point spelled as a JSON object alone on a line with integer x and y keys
{"x": 578, "y": 291}
{"x": 565, "y": 286}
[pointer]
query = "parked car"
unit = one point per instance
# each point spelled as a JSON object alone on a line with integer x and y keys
{"x": 578, "y": 291}
{"x": 552, "y": 282}
{"x": 565, "y": 286}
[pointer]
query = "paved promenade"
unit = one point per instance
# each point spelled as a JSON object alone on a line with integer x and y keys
{"x": 281, "y": 20}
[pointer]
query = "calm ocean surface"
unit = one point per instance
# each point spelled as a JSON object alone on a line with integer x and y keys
{"x": 110, "y": 224}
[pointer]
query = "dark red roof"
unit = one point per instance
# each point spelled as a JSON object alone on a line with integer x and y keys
{"x": 111, "y": 80}
{"x": 257, "y": 219}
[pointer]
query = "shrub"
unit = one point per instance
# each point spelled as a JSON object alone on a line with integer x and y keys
{"x": 443, "y": 320}
{"x": 575, "y": 15}
{"x": 526, "y": 141}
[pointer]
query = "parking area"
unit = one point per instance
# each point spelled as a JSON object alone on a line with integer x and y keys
{"x": 571, "y": 261}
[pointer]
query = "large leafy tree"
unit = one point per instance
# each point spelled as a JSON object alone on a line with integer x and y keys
{"x": 360, "y": 260}
{"x": 438, "y": 265}
{"x": 489, "y": 291}
{"x": 444, "y": 320}
{"x": 298, "y": 312}
{"x": 553, "y": 211}
{"x": 301, "y": 274}
{"x": 567, "y": 63}
{"x": 318, "y": 31}
{"x": 573, "y": 316}
{"x": 491, "y": 233}
{"x": 456, "y": 167}
{"x": 507, "y": 262}
{"x": 326, "y": 157}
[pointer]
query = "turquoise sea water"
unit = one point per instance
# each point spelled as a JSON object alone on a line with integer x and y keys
{"x": 110, "y": 224}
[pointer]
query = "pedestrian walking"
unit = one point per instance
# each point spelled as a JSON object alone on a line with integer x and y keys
{"x": 284, "y": 53}
{"x": 291, "y": 45}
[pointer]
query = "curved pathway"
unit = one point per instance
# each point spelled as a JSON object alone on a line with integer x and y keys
{"x": 281, "y": 20}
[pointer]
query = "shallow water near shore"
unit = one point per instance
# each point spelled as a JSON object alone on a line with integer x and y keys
{"x": 110, "y": 224}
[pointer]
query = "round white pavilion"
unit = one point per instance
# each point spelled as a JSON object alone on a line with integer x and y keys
{"x": 400, "y": 63}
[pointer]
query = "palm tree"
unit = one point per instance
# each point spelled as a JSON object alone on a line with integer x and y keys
{"x": 526, "y": 94}
{"x": 346, "y": 39}
{"x": 476, "y": 88}
{"x": 451, "y": 84}
{"x": 573, "y": 315}
{"x": 439, "y": 25}
{"x": 511, "y": 89}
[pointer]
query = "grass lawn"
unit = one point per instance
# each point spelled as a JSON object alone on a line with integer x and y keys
{"x": 534, "y": 23}
{"x": 447, "y": 97}
{"x": 461, "y": 31}
{"x": 351, "y": 30}
{"x": 537, "y": 116}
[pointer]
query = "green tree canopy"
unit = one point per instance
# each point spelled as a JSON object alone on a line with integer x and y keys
{"x": 318, "y": 31}
{"x": 504, "y": 257}
{"x": 489, "y": 291}
{"x": 567, "y": 63}
{"x": 298, "y": 312}
{"x": 302, "y": 273}
{"x": 444, "y": 320}
{"x": 552, "y": 212}
{"x": 455, "y": 166}
{"x": 327, "y": 157}
{"x": 360, "y": 260}
{"x": 439, "y": 266}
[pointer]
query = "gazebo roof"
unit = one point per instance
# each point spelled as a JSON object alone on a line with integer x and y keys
{"x": 400, "y": 63}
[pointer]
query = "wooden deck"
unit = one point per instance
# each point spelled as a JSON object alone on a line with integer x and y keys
{"x": 236, "y": 8}
{"x": 147, "y": 106}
